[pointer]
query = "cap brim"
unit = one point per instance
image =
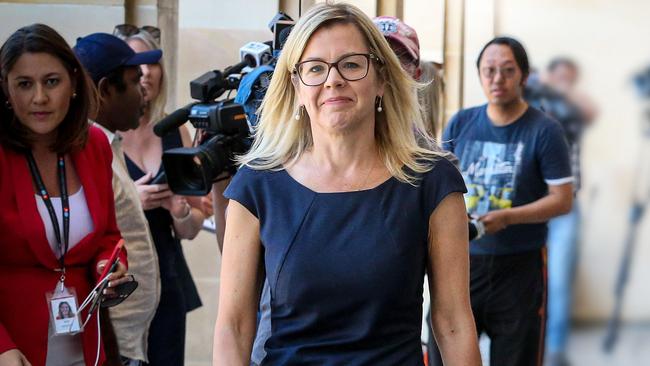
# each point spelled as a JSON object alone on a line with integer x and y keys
{"x": 407, "y": 44}
{"x": 143, "y": 58}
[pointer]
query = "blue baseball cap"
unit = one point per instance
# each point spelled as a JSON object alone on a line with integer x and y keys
{"x": 101, "y": 53}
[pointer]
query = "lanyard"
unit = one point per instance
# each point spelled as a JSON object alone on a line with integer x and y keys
{"x": 65, "y": 207}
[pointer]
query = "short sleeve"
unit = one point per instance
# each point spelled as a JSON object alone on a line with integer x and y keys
{"x": 553, "y": 155}
{"x": 449, "y": 134}
{"x": 443, "y": 179}
{"x": 242, "y": 189}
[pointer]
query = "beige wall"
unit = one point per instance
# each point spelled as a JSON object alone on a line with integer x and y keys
{"x": 427, "y": 18}
{"x": 142, "y": 12}
{"x": 479, "y": 29}
{"x": 71, "y": 19}
{"x": 608, "y": 39}
{"x": 367, "y": 6}
{"x": 211, "y": 33}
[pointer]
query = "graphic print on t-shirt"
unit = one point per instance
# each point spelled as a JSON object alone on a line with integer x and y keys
{"x": 490, "y": 171}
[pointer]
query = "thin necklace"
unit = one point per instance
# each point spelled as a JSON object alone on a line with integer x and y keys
{"x": 359, "y": 187}
{"x": 367, "y": 176}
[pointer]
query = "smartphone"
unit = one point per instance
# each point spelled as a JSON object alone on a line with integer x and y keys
{"x": 159, "y": 179}
{"x": 110, "y": 265}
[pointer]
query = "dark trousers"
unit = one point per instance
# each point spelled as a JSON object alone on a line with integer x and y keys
{"x": 508, "y": 295}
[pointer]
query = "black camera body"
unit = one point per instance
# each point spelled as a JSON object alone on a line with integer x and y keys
{"x": 222, "y": 125}
{"x": 225, "y": 133}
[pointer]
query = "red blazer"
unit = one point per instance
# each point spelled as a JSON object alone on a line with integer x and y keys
{"x": 27, "y": 263}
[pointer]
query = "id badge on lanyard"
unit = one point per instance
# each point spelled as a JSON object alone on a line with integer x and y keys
{"x": 62, "y": 301}
{"x": 63, "y": 308}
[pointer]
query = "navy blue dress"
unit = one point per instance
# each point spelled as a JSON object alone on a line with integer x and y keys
{"x": 345, "y": 269}
{"x": 178, "y": 293}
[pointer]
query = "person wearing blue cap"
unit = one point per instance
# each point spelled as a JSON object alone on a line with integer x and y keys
{"x": 170, "y": 219}
{"x": 114, "y": 67}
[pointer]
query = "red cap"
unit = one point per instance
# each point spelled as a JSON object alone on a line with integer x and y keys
{"x": 394, "y": 29}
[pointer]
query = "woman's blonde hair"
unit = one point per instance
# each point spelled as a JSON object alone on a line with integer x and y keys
{"x": 279, "y": 139}
{"x": 156, "y": 106}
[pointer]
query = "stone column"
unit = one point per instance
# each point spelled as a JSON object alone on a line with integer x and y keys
{"x": 391, "y": 7}
{"x": 453, "y": 55}
{"x": 168, "y": 24}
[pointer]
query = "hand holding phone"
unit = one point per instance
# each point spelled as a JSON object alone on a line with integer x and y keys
{"x": 111, "y": 264}
{"x": 159, "y": 179}
{"x": 151, "y": 194}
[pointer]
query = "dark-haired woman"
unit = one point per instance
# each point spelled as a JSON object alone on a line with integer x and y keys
{"x": 58, "y": 218}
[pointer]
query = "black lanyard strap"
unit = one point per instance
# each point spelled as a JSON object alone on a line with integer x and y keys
{"x": 65, "y": 207}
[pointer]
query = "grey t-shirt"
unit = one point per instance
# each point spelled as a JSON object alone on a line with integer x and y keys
{"x": 263, "y": 327}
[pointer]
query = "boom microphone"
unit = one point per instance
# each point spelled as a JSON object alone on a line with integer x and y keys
{"x": 173, "y": 120}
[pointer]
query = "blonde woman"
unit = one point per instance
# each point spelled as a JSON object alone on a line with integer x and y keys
{"x": 346, "y": 211}
{"x": 171, "y": 217}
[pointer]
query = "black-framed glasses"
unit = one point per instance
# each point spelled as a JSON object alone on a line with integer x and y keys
{"x": 128, "y": 30}
{"x": 351, "y": 67}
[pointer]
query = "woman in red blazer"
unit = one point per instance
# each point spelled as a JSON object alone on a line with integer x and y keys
{"x": 44, "y": 107}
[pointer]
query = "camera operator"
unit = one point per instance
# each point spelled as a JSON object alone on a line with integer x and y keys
{"x": 515, "y": 162}
{"x": 562, "y": 74}
{"x": 575, "y": 112}
{"x": 171, "y": 217}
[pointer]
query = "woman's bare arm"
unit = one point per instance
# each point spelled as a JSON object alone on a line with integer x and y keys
{"x": 448, "y": 270}
{"x": 239, "y": 288}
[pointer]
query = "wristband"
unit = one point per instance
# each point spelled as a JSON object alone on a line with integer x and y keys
{"x": 181, "y": 220}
